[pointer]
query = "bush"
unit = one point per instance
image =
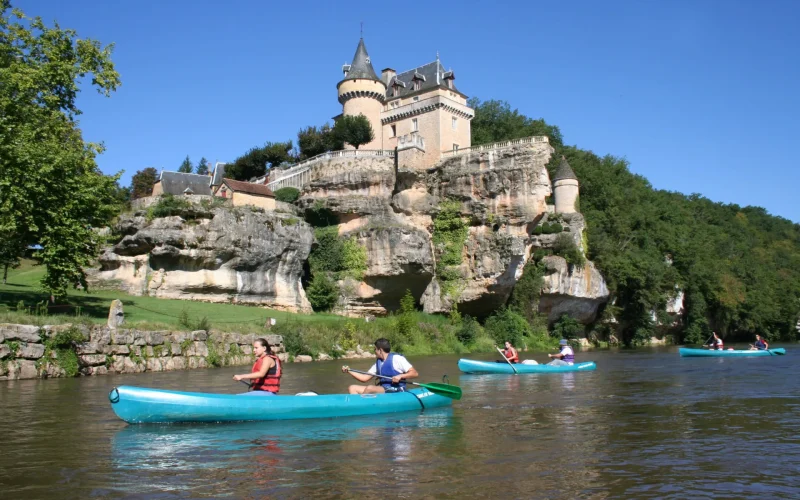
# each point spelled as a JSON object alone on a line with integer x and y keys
{"x": 287, "y": 194}
{"x": 567, "y": 327}
{"x": 566, "y": 248}
{"x": 166, "y": 206}
{"x": 507, "y": 326}
{"x": 322, "y": 292}
{"x": 469, "y": 330}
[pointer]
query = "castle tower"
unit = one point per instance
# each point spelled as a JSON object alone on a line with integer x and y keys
{"x": 362, "y": 92}
{"x": 565, "y": 188}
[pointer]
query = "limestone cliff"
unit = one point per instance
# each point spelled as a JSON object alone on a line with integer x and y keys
{"x": 223, "y": 254}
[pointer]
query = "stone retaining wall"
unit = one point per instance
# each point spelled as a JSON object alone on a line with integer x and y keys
{"x": 24, "y": 353}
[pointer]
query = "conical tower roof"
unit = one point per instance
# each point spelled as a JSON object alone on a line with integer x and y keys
{"x": 564, "y": 171}
{"x": 361, "y": 66}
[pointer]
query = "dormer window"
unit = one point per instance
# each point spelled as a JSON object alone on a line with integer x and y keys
{"x": 417, "y": 84}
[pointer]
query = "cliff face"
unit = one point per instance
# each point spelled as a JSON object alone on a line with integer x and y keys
{"x": 238, "y": 255}
{"x": 389, "y": 207}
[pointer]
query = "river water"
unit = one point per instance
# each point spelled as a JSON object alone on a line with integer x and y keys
{"x": 646, "y": 424}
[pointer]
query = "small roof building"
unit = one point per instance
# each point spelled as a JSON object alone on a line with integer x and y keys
{"x": 179, "y": 183}
{"x": 246, "y": 193}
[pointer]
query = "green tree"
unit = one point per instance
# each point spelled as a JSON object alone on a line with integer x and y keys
{"x": 287, "y": 194}
{"x": 11, "y": 249}
{"x": 507, "y": 326}
{"x": 567, "y": 327}
{"x": 354, "y": 130}
{"x": 202, "y": 166}
{"x": 142, "y": 182}
{"x": 495, "y": 121}
{"x": 257, "y": 161}
{"x": 317, "y": 140}
{"x": 186, "y": 166}
{"x": 51, "y": 191}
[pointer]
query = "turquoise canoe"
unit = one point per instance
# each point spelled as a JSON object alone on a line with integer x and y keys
{"x": 139, "y": 405}
{"x": 474, "y": 366}
{"x": 689, "y": 352}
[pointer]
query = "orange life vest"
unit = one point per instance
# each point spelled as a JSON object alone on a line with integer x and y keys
{"x": 511, "y": 355}
{"x": 272, "y": 381}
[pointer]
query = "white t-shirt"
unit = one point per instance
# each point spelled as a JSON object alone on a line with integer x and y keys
{"x": 567, "y": 350}
{"x": 399, "y": 363}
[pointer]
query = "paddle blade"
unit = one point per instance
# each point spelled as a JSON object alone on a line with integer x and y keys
{"x": 446, "y": 390}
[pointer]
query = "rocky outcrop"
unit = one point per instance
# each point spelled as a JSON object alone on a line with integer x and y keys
{"x": 238, "y": 255}
{"x": 572, "y": 290}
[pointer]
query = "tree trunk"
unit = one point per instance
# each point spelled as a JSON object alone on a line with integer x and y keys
{"x": 5, "y": 274}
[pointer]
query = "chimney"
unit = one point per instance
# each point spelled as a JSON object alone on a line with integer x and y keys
{"x": 387, "y": 74}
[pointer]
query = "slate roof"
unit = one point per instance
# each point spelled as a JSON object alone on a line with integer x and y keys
{"x": 430, "y": 76}
{"x": 249, "y": 188}
{"x": 564, "y": 171}
{"x": 176, "y": 183}
{"x": 218, "y": 174}
{"x": 361, "y": 67}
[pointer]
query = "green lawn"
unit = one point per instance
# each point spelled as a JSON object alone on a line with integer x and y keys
{"x": 144, "y": 312}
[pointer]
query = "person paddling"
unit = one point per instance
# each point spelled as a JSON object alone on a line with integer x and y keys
{"x": 388, "y": 364}
{"x": 509, "y": 353}
{"x": 565, "y": 357}
{"x": 760, "y": 345}
{"x": 266, "y": 374}
{"x": 716, "y": 343}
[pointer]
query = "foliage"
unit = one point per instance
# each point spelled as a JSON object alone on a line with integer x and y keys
{"x": 468, "y": 331}
{"x": 565, "y": 246}
{"x": 61, "y": 347}
{"x": 568, "y": 328}
{"x": 166, "y": 206}
{"x": 202, "y": 167}
{"x": 450, "y": 232}
{"x": 256, "y": 161}
{"x": 548, "y": 228}
{"x": 354, "y": 130}
{"x": 214, "y": 358}
{"x": 186, "y": 166}
{"x": 287, "y": 194}
{"x": 51, "y": 191}
{"x": 506, "y": 325}
{"x": 320, "y": 216}
{"x": 322, "y": 292}
{"x": 525, "y": 296}
{"x": 495, "y": 121}
{"x": 313, "y": 141}
{"x": 142, "y": 182}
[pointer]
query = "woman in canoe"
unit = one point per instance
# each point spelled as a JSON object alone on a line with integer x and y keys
{"x": 509, "y": 353}
{"x": 565, "y": 357}
{"x": 266, "y": 373}
{"x": 716, "y": 343}
{"x": 760, "y": 345}
{"x": 388, "y": 364}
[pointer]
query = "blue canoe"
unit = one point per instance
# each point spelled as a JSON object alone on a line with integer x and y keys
{"x": 689, "y": 352}
{"x": 474, "y": 366}
{"x": 138, "y": 405}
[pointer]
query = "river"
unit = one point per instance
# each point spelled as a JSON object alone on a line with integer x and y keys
{"x": 646, "y": 424}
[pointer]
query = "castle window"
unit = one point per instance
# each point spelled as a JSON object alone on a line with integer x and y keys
{"x": 414, "y": 125}
{"x": 416, "y": 98}
{"x": 455, "y": 147}
{"x": 416, "y": 84}
{"x": 394, "y": 130}
{"x": 455, "y": 123}
{"x": 449, "y": 83}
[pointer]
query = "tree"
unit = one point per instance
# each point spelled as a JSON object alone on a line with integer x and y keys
{"x": 313, "y": 141}
{"x": 354, "y": 130}
{"x": 495, "y": 121}
{"x": 11, "y": 249}
{"x": 186, "y": 166}
{"x": 142, "y": 183}
{"x": 202, "y": 166}
{"x": 287, "y": 194}
{"x": 51, "y": 191}
{"x": 257, "y": 161}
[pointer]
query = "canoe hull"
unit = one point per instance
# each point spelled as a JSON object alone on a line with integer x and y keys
{"x": 688, "y": 352}
{"x": 138, "y": 405}
{"x": 474, "y": 366}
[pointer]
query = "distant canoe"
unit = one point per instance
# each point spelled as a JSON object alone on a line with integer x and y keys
{"x": 688, "y": 352}
{"x": 137, "y": 405}
{"x": 474, "y": 366}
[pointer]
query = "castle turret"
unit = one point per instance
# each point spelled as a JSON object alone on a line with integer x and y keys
{"x": 362, "y": 92}
{"x": 565, "y": 188}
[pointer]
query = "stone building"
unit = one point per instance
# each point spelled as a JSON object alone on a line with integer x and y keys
{"x": 246, "y": 193}
{"x": 565, "y": 189}
{"x": 420, "y": 108}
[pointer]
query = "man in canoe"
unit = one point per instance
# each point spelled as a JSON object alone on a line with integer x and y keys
{"x": 565, "y": 357}
{"x": 388, "y": 364}
{"x": 266, "y": 373}
{"x": 760, "y": 345}
{"x": 509, "y": 353}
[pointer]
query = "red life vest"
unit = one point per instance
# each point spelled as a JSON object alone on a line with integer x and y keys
{"x": 719, "y": 345}
{"x": 511, "y": 355}
{"x": 272, "y": 382}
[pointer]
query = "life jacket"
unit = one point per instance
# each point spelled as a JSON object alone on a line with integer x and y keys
{"x": 272, "y": 382}
{"x": 719, "y": 345}
{"x": 511, "y": 355}
{"x": 569, "y": 356}
{"x": 761, "y": 344}
{"x": 386, "y": 368}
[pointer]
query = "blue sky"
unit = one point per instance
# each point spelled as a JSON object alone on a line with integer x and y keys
{"x": 699, "y": 96}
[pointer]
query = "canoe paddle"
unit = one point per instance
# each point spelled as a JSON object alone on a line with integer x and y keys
{"x": 446, "y": 390}
{"x": 507, "y": 361}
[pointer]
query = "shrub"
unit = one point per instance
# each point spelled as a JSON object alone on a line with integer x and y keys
{"x": 526, "y": 292}
{"x": 166, "y": 206}
{"x": 62, "y": 344}
{"x": 567, "y": 327}
{"x": 566, "y": 248}
{"x": 506, "y": 325}
{"x": 322, "y": 292}
{"x": 287, "y": 194}
{"x": 469, "y": 330}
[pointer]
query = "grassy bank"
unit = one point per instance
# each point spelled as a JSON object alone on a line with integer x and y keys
{"x": 411, "y": 332}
